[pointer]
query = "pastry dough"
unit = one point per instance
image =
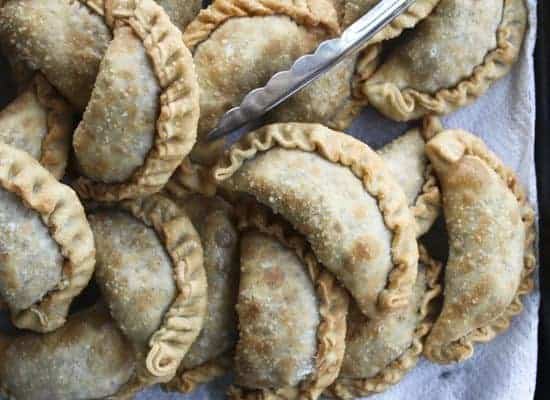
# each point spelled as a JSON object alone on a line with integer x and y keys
{"x": 181, "y": 12}
{"x": 39, "y": 122}
{"x": 407, "y": 161}
{"x": 239, "y": 44}
{"x": 141, "y": 120}
{"x": 450, "y": 59}
{"x": 211, "y": 354}
{"x": 150, "y": 272}
{"x": 380, "y": 352}
{"x": 291, "y": 313}
{"x": 337, "y": 192}
{"x": 88, "y": 358}
{"x": 47, "y": 252}
{"x": 491, "y": 233}
{"x": 63, "y": 39}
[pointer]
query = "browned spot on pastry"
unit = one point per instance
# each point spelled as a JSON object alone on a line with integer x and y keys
{"x": 337, "y": 227}
{"x": 359, "y": 212}
{"x": 249, "y": 309}
{"x": 366, "y": 248}
{"x": 274, "y": 277}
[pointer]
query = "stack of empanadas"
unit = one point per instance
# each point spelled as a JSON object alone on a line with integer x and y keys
{"x": 296, "y": 259}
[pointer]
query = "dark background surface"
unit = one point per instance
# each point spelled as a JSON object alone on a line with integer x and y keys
{"x": 542, "y": 154}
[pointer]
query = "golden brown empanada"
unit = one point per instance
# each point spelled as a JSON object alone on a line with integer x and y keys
{"x": 88, "y": 358}
{"x": 181, "y": 12}
{"x": 491, "y": 234}
{"x": 379, "y": 352}
{"x": 450, "y": 59}
{"x": 210, "y": 355}
{"x": 407, "y": 161}
{"x": 239, "y": 44}
{"x": 337, "y": 192}
{"x": 150, "y": 273}
{"x": 39, "y": 122}
{"x": 291, "y": 313}
{"x": 141, "y": 120}
{"x": 63, "y": 39}
{"x": 47, "y": 253}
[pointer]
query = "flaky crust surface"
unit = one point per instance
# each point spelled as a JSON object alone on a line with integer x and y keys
{"x": 333, "y": 306}
{"x": 453, "y": 146}
{"x": 364, "y": 164}
{"x": 179, "y": 99}
{"x": 183, "y": 320}
{"x": 62, "y": 213}
{"x": 393, "y": 95}
{"x": 347, "y": 388}
{"x": 54, "y": 132}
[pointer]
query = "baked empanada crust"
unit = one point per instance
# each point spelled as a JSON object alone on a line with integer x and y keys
{"x": 220, "y": 38}
{"x": 183, "y": 320}
{"x": 210, "y": 355}
{"x": 63, "y": 215}
{"x": 88, "y": 358}
{"x": 61, "y": 38}
{"x": 177, "y": 121}
{"x": 491, "y": 236}
{"x": 406, "y": 159}
{"x": 181, "y": 12}
{"x": 386, "y": 240}
{"x": 419, "y": 79}
{"x": 39, "y": 121}
{"x": 333, "y": 306}
{"x": 118, "y": 127}
{"x": 384, "y": 369}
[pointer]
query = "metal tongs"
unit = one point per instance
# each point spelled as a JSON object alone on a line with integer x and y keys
{"x": 307, "y": 69}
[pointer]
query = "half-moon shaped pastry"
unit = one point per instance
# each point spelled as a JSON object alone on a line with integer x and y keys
{"x": 379, "y": 352}
{"x": 491, "y": 234}
{"x": 338, "y": 193}
{"x": 210, "y": 355}
{"x": 142, "y": 116}
{"x": 150, "y": 273}
{"x": 239, "y": 44}
{"x": 47, "y": 252}
{"x": 291, "y": 314}
{"x": 407, "y": 161}
{"x": 39, "y": 122}
{"x": 449, "y": 59}
{"x": 63, "y": 39}
{"x": 87, "y": 358}
{"x": 181, "y": 12}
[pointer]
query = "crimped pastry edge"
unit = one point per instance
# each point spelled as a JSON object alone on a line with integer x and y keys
{"x": 63, "y": 214}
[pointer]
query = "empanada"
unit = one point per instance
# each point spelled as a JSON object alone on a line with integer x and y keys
{"x": 150, "y": 273}
{"x": 407, "y": 161}
{"x": 449, "y": 59}
{"x": 211, "y": 353}
{"x": 88, "y": 358}
{"x": 291, "y": 314}
{"x": 39, "y": 122}
{"x": 142, "y": 117}
{"x": 239, "y": 44}
{"x": 491, "y": 234}
{"x": 63, "y": 39}
{"x": 338, "y": 193}
{"x": 47, "y": 252}
{"x": 379, "y": 352}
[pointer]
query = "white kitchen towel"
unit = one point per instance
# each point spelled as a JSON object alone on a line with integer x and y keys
{"x": 505, "y": 368}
